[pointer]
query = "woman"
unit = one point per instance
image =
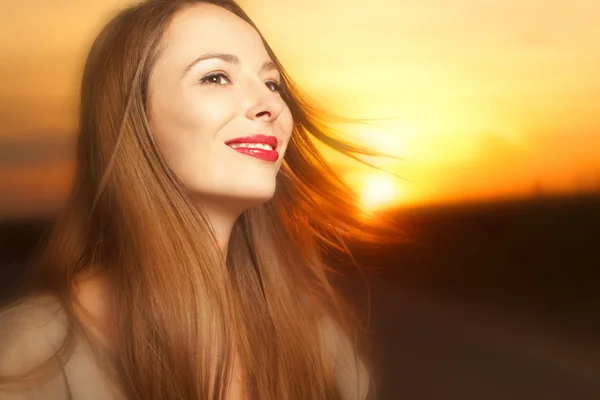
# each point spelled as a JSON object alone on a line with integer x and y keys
{"x": 188, "y": 261}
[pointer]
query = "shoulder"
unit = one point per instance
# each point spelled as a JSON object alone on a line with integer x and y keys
{"x": 31, "y": 331}
{"x": 349, "y": 370}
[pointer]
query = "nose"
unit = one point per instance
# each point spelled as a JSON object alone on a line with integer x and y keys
{"x": 263, "y": 104}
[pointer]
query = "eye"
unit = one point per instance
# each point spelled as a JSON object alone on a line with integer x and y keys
{"x": 215, "y": 79}
{"x": 274, "y": 86}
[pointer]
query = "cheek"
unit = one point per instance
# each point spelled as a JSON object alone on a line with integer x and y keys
{"x": 187, "y": 128}
{"x": 214, "y": 112}
{"x": 286, "y": 122}
{"x": 286, "y": 125}
{"x": 285, "y": 128}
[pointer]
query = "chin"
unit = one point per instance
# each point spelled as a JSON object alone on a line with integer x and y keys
{"x": 256, "y": 196}
{"x": 247, "y": 195}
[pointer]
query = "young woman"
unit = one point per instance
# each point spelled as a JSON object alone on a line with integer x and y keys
{"x": 188, "y": 262}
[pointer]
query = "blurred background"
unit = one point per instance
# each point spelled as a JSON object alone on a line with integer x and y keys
{"x": 492, "y": 108}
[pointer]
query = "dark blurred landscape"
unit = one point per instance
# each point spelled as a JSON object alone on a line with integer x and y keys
{"x": 483, "y": 301}
{"x": 495, "y": 300}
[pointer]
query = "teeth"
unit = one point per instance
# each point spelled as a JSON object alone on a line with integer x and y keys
{"x": 252, "y": 146}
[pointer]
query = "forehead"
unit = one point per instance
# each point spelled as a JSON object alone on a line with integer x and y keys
{"x": 202, "y": 28}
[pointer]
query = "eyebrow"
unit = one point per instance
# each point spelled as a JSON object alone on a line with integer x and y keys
{"x": 231, "y": 59}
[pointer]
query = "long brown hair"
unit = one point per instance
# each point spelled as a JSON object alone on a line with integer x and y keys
{"x": 180, "y": 309}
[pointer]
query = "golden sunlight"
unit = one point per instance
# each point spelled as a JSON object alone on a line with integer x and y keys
{"x": 379, "y": 191}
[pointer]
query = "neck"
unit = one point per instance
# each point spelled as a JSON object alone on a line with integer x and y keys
{"x": 222, "y": 219}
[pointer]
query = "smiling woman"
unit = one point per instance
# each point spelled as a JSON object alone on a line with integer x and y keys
{"x": 187, "y": 263}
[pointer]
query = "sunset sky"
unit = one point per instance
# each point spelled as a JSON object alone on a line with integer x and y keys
{"x": 480, "y": 98}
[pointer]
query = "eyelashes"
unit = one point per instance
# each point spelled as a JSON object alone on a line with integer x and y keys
{"x": 216, "y": 78}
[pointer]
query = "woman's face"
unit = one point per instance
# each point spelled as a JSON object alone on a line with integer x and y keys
{"x": 214, "y": 82}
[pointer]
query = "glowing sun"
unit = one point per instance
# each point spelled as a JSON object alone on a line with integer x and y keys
{"x": 379, "y": 191}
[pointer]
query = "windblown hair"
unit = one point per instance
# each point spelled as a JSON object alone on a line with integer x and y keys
{"x": 180, "y": 308}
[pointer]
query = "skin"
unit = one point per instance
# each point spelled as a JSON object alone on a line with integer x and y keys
{"x": 192, "y": 119}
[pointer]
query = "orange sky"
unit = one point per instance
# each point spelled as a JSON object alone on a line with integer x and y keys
{"x": 482, "y": 99}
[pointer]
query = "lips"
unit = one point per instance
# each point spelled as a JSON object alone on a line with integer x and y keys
{"x": 255, "y": 139}
{"x": 240, "y": 145}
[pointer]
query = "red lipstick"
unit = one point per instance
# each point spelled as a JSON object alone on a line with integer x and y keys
{"x": 269, "y": 154}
